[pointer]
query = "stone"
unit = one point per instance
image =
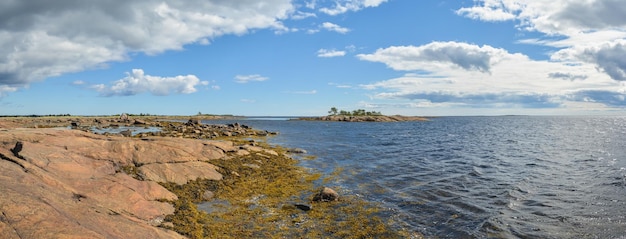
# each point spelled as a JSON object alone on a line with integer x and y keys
{"x": 303, "y": 207}
{"x": 326, "y": 194}
{"x": 193, "y": 122}
{"x": 251, "y": 165}
{"x": 139, "y": 122}
{"x": 124, "y": 117}
{"x": 297, "y": 151}
{"x": 126, "y": 133}
{"x": 208, "y": 195}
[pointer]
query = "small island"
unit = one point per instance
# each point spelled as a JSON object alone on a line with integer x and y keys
{"x": 361, "y": 115}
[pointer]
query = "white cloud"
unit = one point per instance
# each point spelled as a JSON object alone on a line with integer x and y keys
{"x": 299, "y": 15}
{"x": 437, "y": 56}
{"x": 492, "y": 10}
{"x": 465, "y": 75}
{"x": 311, "y": 92}
{"x": 592, "y": 32}
{"x": 248, "y": 78}
{"x": 137, "y": 82}
{"x": 343, "y": 6}
{"x": 78, "y": 82}
{"x": 330, "y": 53}
{"x": 6, "y": 89}
{"x": 334, "y": 28}
{"x": 562, "y": 17}
{"x": 52, "y": 38}
{"x": 608, "y": 57}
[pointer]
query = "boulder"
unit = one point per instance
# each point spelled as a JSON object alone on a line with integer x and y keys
{"x": 297, "y": 151}
{"x": 326, "y": 194}
{"x": 139, "y": 122}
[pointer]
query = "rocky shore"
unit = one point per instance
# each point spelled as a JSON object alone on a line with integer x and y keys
{"x": 366, "y": 118}
{"x": 61, "y": 180}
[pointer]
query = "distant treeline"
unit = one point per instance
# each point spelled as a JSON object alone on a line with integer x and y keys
{"x": 359, "y": 112}
{"x": 33, "y": 116}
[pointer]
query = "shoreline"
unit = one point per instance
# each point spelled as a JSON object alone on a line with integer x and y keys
{"x": 366, "y": 118}
{"x": 160, "y": 178}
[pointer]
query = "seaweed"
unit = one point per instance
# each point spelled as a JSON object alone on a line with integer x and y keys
{"x": 263, "y": 203}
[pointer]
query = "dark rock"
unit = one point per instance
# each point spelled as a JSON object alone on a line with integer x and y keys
{"x": 18, "y": 147}
{"x": 139, "y": 122}
{"x": 303, "y": 207}
{"x": 297, "y": 151}
{"x": 326, "y": 195}
{"x": 193, "y": 122}
{"x": 126, "y": 133}
{"x": 75, "y": 124}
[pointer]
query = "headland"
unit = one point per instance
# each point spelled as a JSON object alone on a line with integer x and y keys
{"x": 61, "y": 179}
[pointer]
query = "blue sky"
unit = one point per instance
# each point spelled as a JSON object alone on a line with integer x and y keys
{"x": 280, "y": 57}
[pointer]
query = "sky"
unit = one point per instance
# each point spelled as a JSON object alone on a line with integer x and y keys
{"x": 302, "y": 57}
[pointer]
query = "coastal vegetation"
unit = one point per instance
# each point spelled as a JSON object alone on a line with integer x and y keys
{"x": 265, "y": 202}
{"x": 359, "y": 112}
{"x": 361, "y": 115}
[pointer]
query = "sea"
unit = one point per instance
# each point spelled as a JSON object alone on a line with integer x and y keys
{"x": 475, "y": 177}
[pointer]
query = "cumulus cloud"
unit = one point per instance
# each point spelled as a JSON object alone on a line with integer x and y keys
{"x": 334, "y": 28}
{"x": 566, "y": 76}
{"x": 591, "y": 32}
{"x": 608, "y": 57}
{"x": 562, "y": 17}
{"x": 46, "y": 39}
{"x": 343, "y": 6}
{"x": 138, "y": 82}
{"x": 248, "y": 78}
{"x": 465, "y": 75}
{"x": 299, "y": 15}
{"x": 438, "y": 55}
{"x": 330, "y": 53}
{"x": 491, "y": 10}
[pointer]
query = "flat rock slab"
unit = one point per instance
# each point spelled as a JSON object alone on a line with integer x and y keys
{"x": 179, "y": 173}
{"x": 72, "y": 184}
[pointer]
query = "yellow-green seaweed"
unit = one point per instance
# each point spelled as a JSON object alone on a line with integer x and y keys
{"x": 261, "y": 204}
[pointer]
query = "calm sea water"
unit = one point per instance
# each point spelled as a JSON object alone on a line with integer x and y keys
{"x": 478, "y": 177}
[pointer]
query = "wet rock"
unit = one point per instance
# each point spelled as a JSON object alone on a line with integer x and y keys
{"x": 297, "y": 151}
{"x": 326, "y": 194}
{"x": 126, "y": 133}
{"x": 75, "y": 124}
{"x": 208, "y": 195}
{"x": 303, "y": 207}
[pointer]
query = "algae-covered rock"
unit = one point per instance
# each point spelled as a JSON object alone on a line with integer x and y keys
{"x": 326, "y": 194}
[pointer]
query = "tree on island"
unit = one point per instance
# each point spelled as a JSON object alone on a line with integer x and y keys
{"x": 360, "y": 112}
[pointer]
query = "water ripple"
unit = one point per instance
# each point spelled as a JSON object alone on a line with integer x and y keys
{"x": 480, "y": 177}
